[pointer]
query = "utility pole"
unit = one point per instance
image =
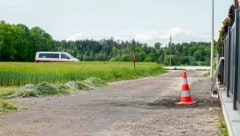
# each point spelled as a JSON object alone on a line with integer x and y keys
{"x": 212, "y": 43}
{"x": 170, "y": 52}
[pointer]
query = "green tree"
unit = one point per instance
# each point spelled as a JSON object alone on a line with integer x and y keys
{"x": 42, "y": 40}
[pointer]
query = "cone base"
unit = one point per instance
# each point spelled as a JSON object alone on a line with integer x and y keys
{"x": 186, "y": 103}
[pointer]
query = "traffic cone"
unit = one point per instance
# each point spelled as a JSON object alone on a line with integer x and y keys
{"x": 186, "y": 98}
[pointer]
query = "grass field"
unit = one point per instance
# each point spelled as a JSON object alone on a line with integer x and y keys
{"x": 44, "y": 79}
{"x": 15, "y": 74}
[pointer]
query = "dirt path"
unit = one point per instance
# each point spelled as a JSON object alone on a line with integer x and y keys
{"x": 144, "y": 107}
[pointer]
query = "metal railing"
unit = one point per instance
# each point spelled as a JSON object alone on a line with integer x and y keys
{"x": 231, "y": 78}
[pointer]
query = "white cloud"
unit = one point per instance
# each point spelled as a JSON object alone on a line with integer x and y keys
{"x": 119, "y": 38}
{"x": 148, "y": 36}
{"x": 178, "y": 35}
{"x": 75, "y": 37}
{"x": 184, "y": 35}
{"x": 177, "y": 32}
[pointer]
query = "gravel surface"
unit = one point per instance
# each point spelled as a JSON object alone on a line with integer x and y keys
{"x": 144, "y": 107}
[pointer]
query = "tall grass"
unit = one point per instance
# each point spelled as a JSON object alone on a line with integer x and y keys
{"x": 14, "y": 73}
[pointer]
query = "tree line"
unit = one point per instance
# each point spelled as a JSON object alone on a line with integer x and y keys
{"x": 193, "y": 53}
{"x": 20, "y": 43}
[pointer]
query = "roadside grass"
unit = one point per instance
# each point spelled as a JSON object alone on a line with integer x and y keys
{"x": 50, "y": 89}
{"x": 46, "y": 89}
{"x": 7, "y": 91}
{"x": 49, "y": 79}
{"x": 15, "y": 74}
{"x": 6, "y": 107}
{"x": 224, "y": 131}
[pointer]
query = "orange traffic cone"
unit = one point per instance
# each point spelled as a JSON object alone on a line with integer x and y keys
{"x": 186, "y": 98}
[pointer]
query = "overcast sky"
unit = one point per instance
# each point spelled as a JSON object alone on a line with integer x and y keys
{"x": 147, "y": 21}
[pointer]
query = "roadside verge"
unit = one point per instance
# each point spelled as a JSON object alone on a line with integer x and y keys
{"x": 231, "y": 116}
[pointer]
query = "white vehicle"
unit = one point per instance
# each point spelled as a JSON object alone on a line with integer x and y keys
{"x": 45, "y": 56}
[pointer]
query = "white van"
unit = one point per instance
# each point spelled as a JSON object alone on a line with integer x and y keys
{"x": 44, "y": 56}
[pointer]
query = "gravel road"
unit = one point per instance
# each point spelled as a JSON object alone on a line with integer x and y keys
{"x": 144, "y": 107}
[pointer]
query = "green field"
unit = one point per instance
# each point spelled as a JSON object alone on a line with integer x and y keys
{"x": 47, "y": 79}
{"x": 15, "y": 74}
